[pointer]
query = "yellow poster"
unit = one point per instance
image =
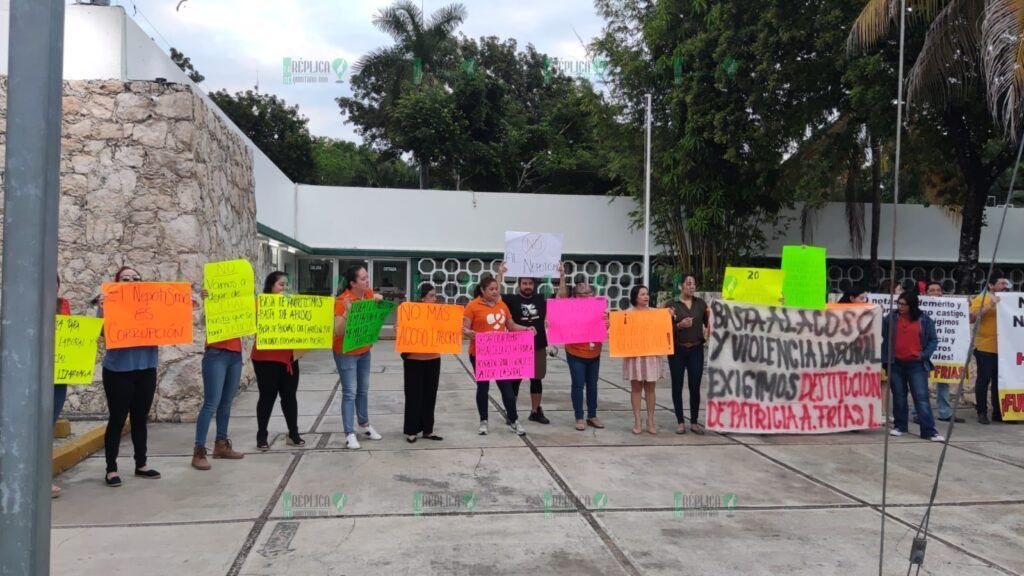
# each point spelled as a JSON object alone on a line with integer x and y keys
{"x": 229, "y": 306}
{"x": 753, "y": 285}
{"x": 74, "y": 349}
{"x": 286, "y": 322}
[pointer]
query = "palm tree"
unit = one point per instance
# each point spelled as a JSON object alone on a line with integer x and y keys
{"x": 420, "y": 47}
{"x": 972, "y": 53}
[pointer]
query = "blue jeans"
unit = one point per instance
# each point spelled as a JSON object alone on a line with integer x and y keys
{"x": 60, "y": 394}
{"x": 222, "y": 369}
{"x": 583, "y": 372}
{"x": 507, "y": 388}
{"x": 355, "y": 385}
{"x": 945, "y": 409}
{"x": 913, "y": 375}
{"x": 987, "y": 383}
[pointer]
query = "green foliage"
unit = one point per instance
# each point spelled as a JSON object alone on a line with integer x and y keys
{"x": 342, "y": 163}
{"x": 186, "y": 66}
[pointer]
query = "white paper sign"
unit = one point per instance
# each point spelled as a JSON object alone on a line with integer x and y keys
{"x": 532, "y": 254}
{"x": 952, "y": 326}
{"x": 1010, "y": 334}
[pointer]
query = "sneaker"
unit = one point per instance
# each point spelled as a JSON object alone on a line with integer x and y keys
{"x": 938, "y": 438}
{"x": 370, "y": 432}
{"x": 983, "y": 419}
{"x": 483, "y": 427}
{"x": 517, "y": 427}
{"x": 895, "y": 432}
{"x": 539, "y": 417}
{"x": 351, "y": 443}
{"x": 199, "y": 461}
{"x": 54, "y": 491}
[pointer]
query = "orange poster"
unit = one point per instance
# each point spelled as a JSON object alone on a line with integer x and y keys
{"x": 147, "y": 314}
{"x": 640, "y": 333}
{"x": 428, "y": 328}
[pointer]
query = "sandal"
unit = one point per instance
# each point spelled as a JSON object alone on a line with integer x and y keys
{"x": 697, "y": 429}
{"x": 595, "y": 422}
{"x": 433, "y": 436}
{"x": 294, "y": 439}
{"x": 681, "y": 429}
{"x": 411, "y": 439}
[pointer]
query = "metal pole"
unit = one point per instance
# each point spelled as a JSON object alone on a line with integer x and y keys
{"x": 29, "y": 291}
{"x": 647, "y": 199}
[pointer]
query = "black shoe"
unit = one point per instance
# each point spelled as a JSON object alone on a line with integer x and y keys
{"x": 956, "y": 419}
{"x": 916, "y": 421}
{"x": 112, "y": 482}
{"x": 983, "y": 419}
{"x": 539, "y": 417}
{"x": 151, "y": 474}
{"x": 295, "y": 440}
{"x": 997, "y": 418}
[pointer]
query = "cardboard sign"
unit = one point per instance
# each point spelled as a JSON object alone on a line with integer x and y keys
{"x": 74, "y": 349}
{"x": 577, "y": 320}
{"x": 365, "y": 319}
{"x": 532, "y": 254}
{"x": 806, "y": 277}
{"x": 229, "y": 307}
{"x": 428, "y": 328}
{"x": 753, "y": 285}
{"x": 953, "y": 328}
{"x": 504, "y": 356}
{"x": 147, "y": 314}
{"x": 287, "y": 322}
{"x": 635, "y": 333}
{"x": 778, "y": 370}
{"x": 1010, "y": 334}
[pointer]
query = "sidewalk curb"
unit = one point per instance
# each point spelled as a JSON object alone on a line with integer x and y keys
{"x": 70, "y": 453}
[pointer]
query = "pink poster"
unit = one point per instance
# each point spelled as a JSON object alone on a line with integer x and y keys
{"x": 504, "y": 355}
{"x": 577, "y": 320}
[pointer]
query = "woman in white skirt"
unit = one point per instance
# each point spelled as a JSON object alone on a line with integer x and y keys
{"x": 642, "y": 371}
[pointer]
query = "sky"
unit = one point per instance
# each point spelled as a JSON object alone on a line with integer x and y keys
{"x": 234, "y": 42}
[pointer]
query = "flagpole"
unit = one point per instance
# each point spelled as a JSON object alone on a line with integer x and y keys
{"x": 647, "y": 199}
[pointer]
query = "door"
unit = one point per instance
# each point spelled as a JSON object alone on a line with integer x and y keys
{"x": 390, "y": 279}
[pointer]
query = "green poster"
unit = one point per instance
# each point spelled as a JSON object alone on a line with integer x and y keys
{"x": 365, "y": 320}
{"x": 806, "y": 279}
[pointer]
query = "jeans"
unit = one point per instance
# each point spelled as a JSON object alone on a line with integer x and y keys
{"x": 128, "y": 393}
{"x": 914, "y": 375}
{"x": 508, "y": 396}
{"x": 222, "y": 369}
{"x": 60, "y": 394}
{"x": 691, "y": 361}
{"x": 945, "y": 409}
{"x": 355, "y": 386}
{"x": 583, "y": 372}
{"x": 988, "y": 382}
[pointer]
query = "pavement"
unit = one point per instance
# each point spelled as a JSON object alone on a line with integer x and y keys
{"x": 555, "y": 501}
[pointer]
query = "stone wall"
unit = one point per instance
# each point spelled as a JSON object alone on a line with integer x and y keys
{"x": 153, "y": 178}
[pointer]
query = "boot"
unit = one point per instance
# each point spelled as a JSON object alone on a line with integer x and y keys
{"x": 199, "y": 461}
{"x": 222, "y": 449}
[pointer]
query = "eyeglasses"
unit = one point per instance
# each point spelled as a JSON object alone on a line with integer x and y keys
{"x": 130, "y": 279}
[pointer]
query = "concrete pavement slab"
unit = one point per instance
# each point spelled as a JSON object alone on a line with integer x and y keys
{"x": 310, "y": 403}
{"x": 618, "y": 430}
{"x": 993, "y": 531}
{"x": 458, "y": 431}
{"x": 309, "y": 382}
{"x": 165, "y": 439}
{"x": 1010, "y": 452}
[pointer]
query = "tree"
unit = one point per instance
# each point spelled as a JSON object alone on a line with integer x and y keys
{"x": 341, "y": 163}
{"x": 186, "y": 66}
{"x": 275, "y": 128}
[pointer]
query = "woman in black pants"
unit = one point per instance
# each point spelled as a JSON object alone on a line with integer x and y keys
{"x": 129, "y": 382}
{"x": 692, "y": 326}
{"x": 422, "y": 375}
{"x": 277, "y": 373}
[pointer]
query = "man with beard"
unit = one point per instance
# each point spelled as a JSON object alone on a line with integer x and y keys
{"x": 529, "y": 308}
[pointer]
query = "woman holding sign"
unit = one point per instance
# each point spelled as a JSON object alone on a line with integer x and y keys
{"x": 584, "y": 361}
{"x": 488, "y": 313}
{"x": 60, "y": 391}
{"x": 643, "y": 372}
{"x": 129, "y": 383}
{"x": 422, "y": 374}
{"x": 915, "y": 342}
{"x": 277, "y": 373}
{"x": 354, "y": 365}
{"x": 692, "y": 328}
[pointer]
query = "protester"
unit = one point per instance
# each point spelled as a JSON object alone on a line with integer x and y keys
{"x": 915, "y": 342}
{"x": 986, "y": 349}
{"x": 222, "y": 371}
{"x": 945, "y": 409}
{"x": 529, "y": 308}
{"x": 129, "y": 383}
{"x": 422, "y": 374}
{"x": 692, "y": 328}
{"x": 277, "y": 373}
{"x": 354, "y": 365}
{"x": 642, "y": 371}
{"x": 855, "y": 295}
{"x": 584, "y": 361}
{"x": 60, "y": 391}
{"x": 487, "y": 312}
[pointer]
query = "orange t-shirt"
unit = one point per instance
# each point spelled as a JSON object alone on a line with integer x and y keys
{"x": 584, "y": 350}
{"x": 339, "y": 310}
{"x": 484, "y": 318}
{"x": 283, "y": 356}
{"x": 234, "y": 345}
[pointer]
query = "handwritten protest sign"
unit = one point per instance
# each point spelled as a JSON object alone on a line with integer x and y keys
{"x": 640, "y": 333}
{"x": 1010, "y": 333}
{"x": 286, "y": 322}
{"x": 424, "y": 328}
{"x": 753, "y": 285}
{"x": 953, "y": 328}
{"x": 576, "y": 320}
{"x": 806, "y": 279}
{"x": 536, "y": 254}
{"x": 74, "y": 349}
{"x": 504, "y": 356}
{"x": 230, "y": 307}
{"x": 365, "y": 319}
{"x": 147, "y": 314}
{"x": 786, "y": 370}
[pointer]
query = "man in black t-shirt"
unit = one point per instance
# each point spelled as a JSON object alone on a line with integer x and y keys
{"x": 529, "y": 308}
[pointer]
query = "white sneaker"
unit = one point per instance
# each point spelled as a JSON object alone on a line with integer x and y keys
{"x": 370, "y": 432}
{"x": 351, "y": 443}
{"x": 517, "y": 428}
{"x": 938, "y": 438}
{"x": 895, "y": 432}
{"x": 483, "y": 427}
